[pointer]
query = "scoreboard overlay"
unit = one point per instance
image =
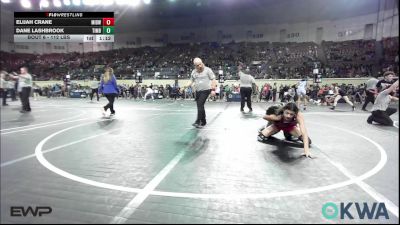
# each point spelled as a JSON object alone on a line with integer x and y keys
{"x": 64, "y": 26}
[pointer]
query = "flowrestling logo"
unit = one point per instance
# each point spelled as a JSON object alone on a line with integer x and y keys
{"x": 363, "y": 210}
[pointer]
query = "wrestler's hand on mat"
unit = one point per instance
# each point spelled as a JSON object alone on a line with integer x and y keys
{"x": 307, "y": 155}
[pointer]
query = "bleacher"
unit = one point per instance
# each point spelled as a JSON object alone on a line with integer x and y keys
{"x": 266, "y": 60}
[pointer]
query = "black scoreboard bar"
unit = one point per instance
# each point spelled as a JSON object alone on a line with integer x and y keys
{"x": 64, "y": 26}
{"x": 63, "y": 14}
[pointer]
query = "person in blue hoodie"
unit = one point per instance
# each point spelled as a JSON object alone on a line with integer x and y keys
{"x": 108, "y": 86}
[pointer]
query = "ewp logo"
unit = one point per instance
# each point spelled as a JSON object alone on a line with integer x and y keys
{"x": 35, "y": 211}
{"x": 331, "y": 211}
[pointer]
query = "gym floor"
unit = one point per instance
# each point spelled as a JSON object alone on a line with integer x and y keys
{"x": 149, "y": 165}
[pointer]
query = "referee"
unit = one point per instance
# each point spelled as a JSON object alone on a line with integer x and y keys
{"x": 246, "y": 82}
{"x": 381, "y": 111}
{"x": 24, "y": 88}
{"x": 204, "y": 78}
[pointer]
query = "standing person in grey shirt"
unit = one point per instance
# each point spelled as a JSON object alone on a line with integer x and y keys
{"x": 246, "y": 82}
{"x": 380, "y": 111}
{"x": 24, "y": 88}
{"x": 370, "y": 92}
{"x": 204, "y": 79}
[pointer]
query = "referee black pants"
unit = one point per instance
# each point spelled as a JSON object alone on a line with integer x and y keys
{"x": 383, "y": 117}
{"x": 245, "y": 94}
{"x": 3, "y": 95}
{"x": 24, "y": 96}
{"x": 201, "y": 97}
{"x": 94, "y": 90}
